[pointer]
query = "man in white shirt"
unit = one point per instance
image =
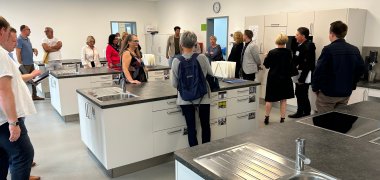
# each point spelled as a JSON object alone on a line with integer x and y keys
{"x": 16, "y": 150}
{"x": 52, "y": 47}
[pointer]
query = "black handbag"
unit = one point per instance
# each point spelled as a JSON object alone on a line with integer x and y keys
{"x": 213, "y": 82}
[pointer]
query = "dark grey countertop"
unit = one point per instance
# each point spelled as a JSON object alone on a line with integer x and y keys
{"x": 69, "y": 61}
{"x": 336, "y": 154}
{"x": 70, "y": 73}
{"x": 153, "y": 91}
{"x": 366, "y": 84}
{"x": 157, "y": 68}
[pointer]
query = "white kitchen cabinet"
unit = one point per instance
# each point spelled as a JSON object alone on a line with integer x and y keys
{"x": 241, "y": 123}
{"x": 270, "y": 36}
{"x": 241, "y": 104}
{"x": 256, "y": 22}
{"x": 164, "y": 104}
{"x": 218, "y": 109}
{"x": 354, "y": 18}
{"x": 159, "y": 75}
{"x": 168, "y": 118}
{"x": 300, "y": 19}
{"x": 184, "y": 173}
{"x": 274, "y": 20}
{"x": 374, "y": 93}
{"x": 170, "y": 140}
{"x": 218, "y": 128}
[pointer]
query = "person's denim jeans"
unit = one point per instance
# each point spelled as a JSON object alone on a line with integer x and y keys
{"x": 204, "y": 115}
{"x": 17, "y": 156}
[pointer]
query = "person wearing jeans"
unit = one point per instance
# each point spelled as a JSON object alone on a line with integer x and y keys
{"x": 200, "y": 105}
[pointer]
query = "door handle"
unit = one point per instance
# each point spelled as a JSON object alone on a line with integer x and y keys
{"x": 242, "y": 99}
{"x": 170, "y": 102}
{"x": 173, "y": 112}
{"x": 243, "y": 116}
{"x": 175, "y": 132}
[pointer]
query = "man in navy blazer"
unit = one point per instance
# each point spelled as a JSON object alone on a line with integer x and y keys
{"x": 338, "y": 70}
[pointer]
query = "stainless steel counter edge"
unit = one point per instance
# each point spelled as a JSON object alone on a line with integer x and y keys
{"x": 84, "y": 73}
{"x": 164, "y": 91}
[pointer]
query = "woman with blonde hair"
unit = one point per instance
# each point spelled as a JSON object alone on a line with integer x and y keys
{"x": 279, "y": 82}
{"x": 235, "y": 54}
{"x": 133, "y": 68}
{"x": 90, "y": 55}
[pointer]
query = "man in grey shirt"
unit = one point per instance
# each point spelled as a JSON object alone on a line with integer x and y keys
{"x": 24, "y": 52}
{"x": 250, "y": 57}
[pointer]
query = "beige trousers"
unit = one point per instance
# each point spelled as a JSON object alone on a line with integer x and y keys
{"x": 326, "y": 103}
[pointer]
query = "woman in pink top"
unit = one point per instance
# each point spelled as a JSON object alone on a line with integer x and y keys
{"x": 112, "y": 53}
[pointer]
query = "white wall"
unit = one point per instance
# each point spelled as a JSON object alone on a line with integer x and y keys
{"x": 74, "y": 20}
{"x": 190, "y": 14}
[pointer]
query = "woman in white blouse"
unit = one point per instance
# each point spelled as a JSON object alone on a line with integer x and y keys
{"x": 90, "y": 55}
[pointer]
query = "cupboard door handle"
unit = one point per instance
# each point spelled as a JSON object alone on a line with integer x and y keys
{"x": 105, "y": 77}
{"x": 243, "y": 116}
{"x": 173, "y": 112}
{"x": 242, "y": 99}
{"x": 170, "y": 102}
{"x": 214, "y": 104}
{"x": 213, "y": 122}
{"x": 175, "y": 132}
{"x": 274, "y": 24}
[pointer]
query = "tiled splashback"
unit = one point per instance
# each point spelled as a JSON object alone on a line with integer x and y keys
{"x": 365, "y": 52}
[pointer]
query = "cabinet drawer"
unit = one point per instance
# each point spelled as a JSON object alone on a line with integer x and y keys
{"x": 218, "y": 109}
{"x": 169, "y": 118}
{"x": 156, "y": 78}
{"x": 241, "y": 123}
{"x": 170, "y": 140}
{"x": 100, "y": 78}
{"x": 239, "y": 92}
{"x": 215, "y": 96}
{"x": 241, "y": 104}
{"x": 156, "y": 73}
{"x": 218, "y": 128}
{"x": 164, "y": 104}
{"x": 101, "y": 84}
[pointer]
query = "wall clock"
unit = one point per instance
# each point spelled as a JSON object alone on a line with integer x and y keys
{"x": 216, "y": 7}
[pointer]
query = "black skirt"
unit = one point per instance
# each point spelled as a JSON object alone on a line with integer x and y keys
{"x": 279, "y": 89}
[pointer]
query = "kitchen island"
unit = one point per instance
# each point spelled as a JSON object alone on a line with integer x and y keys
{"x": 142, "y": 127}
{"x": 333, "y": 153}
{"x": 63, "y": 84}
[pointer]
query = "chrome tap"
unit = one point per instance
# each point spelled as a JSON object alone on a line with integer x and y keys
{"x": 123, "y": 85}
{"x": 301, "y": 159}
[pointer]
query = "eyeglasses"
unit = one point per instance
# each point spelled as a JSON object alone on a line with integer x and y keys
{"x": 136, "y": 41}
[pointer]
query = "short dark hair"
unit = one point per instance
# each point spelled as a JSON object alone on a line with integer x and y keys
{"x": 177, "y": 27}
{"x": 111, "y": 38}
{"x": 13, "y": 30}
{"x": 248, "y": 33}
{"x": 22, "y": 27}
{"x": 339, "y": 28}
{"x": 3, "y": 23}
{"x": 304, "y": 31}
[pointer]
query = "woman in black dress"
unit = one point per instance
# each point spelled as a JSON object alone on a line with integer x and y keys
{"x": 279, "y": 83}
{"x": 235, "y": 54}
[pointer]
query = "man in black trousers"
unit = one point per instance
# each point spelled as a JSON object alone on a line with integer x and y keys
{"x": 304, "y": 60}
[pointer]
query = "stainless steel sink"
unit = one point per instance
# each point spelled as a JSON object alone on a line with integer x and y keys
{"x": 250, "y": 161}
{"x": 123, "y": 96}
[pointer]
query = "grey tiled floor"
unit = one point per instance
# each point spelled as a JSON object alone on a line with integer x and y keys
{"x": 60, "y": 153}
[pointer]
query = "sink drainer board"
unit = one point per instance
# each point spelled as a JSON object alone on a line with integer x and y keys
{"x": 249, "y": 161}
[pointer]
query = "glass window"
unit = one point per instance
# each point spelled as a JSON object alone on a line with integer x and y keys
{"x": 123, "y": 26}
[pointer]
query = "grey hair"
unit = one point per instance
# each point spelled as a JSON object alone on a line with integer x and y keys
{"x": 188, "y": 39}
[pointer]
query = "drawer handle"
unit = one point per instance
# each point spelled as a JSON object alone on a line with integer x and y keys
{"x": 107, "y": 77}
{"x": 175, "y": 132}
{"x": 243, "y": 116}
{"x": 242, "y": 99}
{"x": 215, "y": 95}
{"x": 214, "y": 104}
{"x": 173, "y": 112}
{"x": 170, "y": 102}
{"x": 242, "y": 91}
{"x": 213, "y": 122}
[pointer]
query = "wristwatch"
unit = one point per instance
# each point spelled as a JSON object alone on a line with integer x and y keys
{"x": 16, "y": 123}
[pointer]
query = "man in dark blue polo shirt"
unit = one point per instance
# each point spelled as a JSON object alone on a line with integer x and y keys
{"x": 338, "y": 70}
{"x": 24, "y": 53}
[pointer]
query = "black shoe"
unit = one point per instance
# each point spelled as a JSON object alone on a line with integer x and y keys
{"x": 266, "y": 120}
{"x": 295, "y": 115}
{"x": 282, "y": 120}
{"x": 306, "y": 114}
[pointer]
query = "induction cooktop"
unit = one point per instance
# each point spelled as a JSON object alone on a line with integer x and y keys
{"x": 350, "y": 125}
